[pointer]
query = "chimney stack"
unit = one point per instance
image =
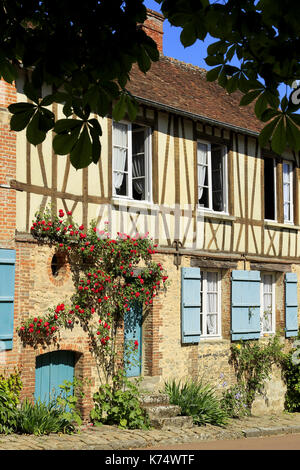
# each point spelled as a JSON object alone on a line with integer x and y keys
{"x": 153, "y": 27}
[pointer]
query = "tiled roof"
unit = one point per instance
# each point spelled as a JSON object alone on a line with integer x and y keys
{"x": 184, "y": 87}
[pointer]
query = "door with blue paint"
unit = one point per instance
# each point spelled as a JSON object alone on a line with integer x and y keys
{"x": 51, "y": 371}
{"x": 132, "y": 333}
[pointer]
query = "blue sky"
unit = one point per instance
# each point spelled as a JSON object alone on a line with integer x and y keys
{"x": 194, "y": 54}
{"x": 172, "y": 46}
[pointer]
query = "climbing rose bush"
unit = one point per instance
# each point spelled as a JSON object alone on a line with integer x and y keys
{"x": 109, "y": 274}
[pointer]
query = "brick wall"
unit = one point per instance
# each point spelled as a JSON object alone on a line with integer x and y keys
{"x": 153, "y": 26}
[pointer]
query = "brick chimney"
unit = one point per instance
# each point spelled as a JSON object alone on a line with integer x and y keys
{"x": 153, "y": 27}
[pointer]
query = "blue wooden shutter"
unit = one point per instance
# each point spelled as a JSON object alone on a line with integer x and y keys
{"x": 291, "y": 305}
{"x": 7, "y": 289}
{"x": 245, "y": 305}
{"x": 190, "y": 305}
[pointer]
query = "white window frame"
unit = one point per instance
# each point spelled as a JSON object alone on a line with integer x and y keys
{"x": 148, "y": 164}
{"x": 273, "y": 311}
{"x": 209, "y": 169}
{"x": 275, "y": 193}
{"x": 291, "y": 201}
{"x": 204, "y": 304}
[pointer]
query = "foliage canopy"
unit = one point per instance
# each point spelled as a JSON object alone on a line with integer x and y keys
{"x": 83, "y": 53}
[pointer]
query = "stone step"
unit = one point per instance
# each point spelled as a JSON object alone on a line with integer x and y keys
{"x": 152, "y": 399}
{"x": 174, "y": 422}
{"x": 162, "y": 411}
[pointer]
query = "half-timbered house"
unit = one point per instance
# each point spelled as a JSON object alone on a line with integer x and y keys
{"x": 223, "y": 211}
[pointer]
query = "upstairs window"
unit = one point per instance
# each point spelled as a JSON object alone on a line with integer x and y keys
{"x": 131, "y": 164}
{"x": 287, "y": 180}
{"x": 212, "y": 176}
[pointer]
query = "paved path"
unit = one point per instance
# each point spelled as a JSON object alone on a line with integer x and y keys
{"x": 112, "y": 438}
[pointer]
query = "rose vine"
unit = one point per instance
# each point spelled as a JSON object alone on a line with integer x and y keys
{"x": 110, "y": 275}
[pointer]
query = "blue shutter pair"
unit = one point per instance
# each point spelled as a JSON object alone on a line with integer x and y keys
{"x": 7, "y": 288}
{"x": 245, "y": 305}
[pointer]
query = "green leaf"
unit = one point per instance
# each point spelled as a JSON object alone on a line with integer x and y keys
{"x": 22, "y": 107}
{"x": 267, "y": 132}
{"x": 213, "y": 74}
{"x": 19, "y": 121}
{"x": 144, "y": 61}
{"x": 260, "y": 105}
{"x": 119, "y": 108}
{"x": 269, "y": 114}
{"x": 249, "y": 97}
{"x": 64, "y": 143}
{"x": 64, "y": 125}
{"x": 81, "y": 154}
{"x": 35, "y": 135}
{"x": 278, "y": 140}
{"x": 212, "y": 60}
{"x": 96, "y": 145}
{"x": 232, "y": 84}
{"x": 188, "y": 35}
{"x": 215, "y": 47}
{"x": 7, "y": 70}
{"x": 48, "y": 100}
{"x": 132, "y": 108}
{"x": 293, "y": 135}
{"x": 31, "y": 92}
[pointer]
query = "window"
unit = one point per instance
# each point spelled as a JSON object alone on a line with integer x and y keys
{"x": 287, "y": 180}
{"x": 270, "y": 188}
{"x": 131, "y": 161}
{"x": 210, "y": 315}
{"x": 267, "y": 304}
{"x": 212, "y": 176}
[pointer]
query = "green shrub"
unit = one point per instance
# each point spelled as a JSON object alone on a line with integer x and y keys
{"x": 119, "y": 404}
{"x": 291, "y": 375}
{"x": 8, "y": 414}
{"x": 42, "y": 418}
{"x": 10, "y": 388}
{"x": 234, "y": 402}
{"x": 198, "y": 400}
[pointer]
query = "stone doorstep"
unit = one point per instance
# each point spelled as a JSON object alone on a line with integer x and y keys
{"x": 154, "y": 399}
{"x": 174, "y": 422}
{"x": 162, "y": 411}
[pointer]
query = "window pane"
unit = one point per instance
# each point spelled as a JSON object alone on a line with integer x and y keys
{"x": 202, "y": 160}
{"x": 121, "y": 189}
{"x": 217, "y": 177}
{"x": 212, "y": 325}
{"x": 269, "y": 188}
{"x": 212, "y": 303}
{"x": 267, "y": 303}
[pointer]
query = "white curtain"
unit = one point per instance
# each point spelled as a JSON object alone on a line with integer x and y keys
{"x": 202, "y": 166}
{"x": 286, "y": 191}
{"x": 120, "y": 152}
{"x": 212, "y": 302}
{"x": 138, "y": 161}
{"x": 267, "y": 303}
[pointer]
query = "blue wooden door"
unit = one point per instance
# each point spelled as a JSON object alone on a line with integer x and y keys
{"x": 51, "y": 371}
{"x": 132, "y": 333}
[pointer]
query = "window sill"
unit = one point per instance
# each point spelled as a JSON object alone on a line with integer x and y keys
{"x": 216, "y": 215}
{"x": 274, "y": 224}
{"x": 212, "y": 340}
{"x": 134, "y": 203}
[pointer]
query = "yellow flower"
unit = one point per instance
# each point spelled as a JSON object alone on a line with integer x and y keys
{"x": 238, "y": 346}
